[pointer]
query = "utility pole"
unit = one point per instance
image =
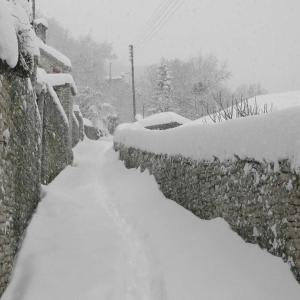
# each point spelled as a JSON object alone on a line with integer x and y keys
{"x": 132, "y": 80}
{"x": 33, "y": 10}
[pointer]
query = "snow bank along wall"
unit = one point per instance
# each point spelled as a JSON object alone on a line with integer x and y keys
{"x": 260, "y": 199}
{"x": 35, "y": 139}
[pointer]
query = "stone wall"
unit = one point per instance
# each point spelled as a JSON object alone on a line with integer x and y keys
{"x": 20, "y": 168}
{"x": 260, "y": 201}
{"x": 64, "y": 93}
{"x": 35, "y": 144}
{"x": 56, "y": 149}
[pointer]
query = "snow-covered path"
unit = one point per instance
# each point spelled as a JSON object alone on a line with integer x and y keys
{"x": 104, "y": 232}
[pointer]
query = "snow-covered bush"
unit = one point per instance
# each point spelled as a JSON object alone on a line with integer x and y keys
{"x": 237, "y": 109}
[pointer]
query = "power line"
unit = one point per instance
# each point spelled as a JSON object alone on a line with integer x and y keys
{"x": 161, "y": 23}
{"x": 154, "y": 17}
{"x": 170, "y": 5}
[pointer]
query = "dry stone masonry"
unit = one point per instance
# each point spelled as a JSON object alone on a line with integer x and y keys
{"x": 20, "y": 165}
{"x": 260, "y": 201}
{"x": 56, "y": 150}
{"x": 37, "y": 131}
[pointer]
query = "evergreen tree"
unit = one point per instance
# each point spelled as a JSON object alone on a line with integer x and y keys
{"x": 163, "y": 98}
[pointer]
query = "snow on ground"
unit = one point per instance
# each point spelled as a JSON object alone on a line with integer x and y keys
{"x": 162, "y": 118}
{"x": 278, "y": 101}
{"x": 268, "y": 137}
{"x": 105, "y": 232}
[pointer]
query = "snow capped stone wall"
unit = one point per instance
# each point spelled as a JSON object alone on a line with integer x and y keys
{"x": 56, "y": 151}
{"x": 20, "y": 165}
{"x": 36, "y": 121}
{"x": 260, "y": 200}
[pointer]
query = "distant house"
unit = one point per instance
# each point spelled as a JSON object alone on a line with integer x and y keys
{"x": 52, "y": 60}
{"x": 118, "y": 79}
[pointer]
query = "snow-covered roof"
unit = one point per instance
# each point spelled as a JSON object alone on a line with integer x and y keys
{"x": 268, "y": 137}
{"x": 162, "y": 118}
{"x": 41, "y": 21}
{"x": 87, "y": 122}
{"x": 54, "y": 53}
{"x": 55, "y": 79}
{"x": 76, "y": 107}
{"x": 58, "y": 79}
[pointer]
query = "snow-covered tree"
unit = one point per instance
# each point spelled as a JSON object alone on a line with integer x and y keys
{"x": 163, "y": 97}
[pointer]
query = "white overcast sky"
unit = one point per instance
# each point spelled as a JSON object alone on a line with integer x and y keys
{"x": 259, "y": 39}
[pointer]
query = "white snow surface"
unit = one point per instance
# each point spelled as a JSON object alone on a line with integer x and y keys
{"x": 41, "y": 76}
{"x": 9, "y": 49}
{"x": 57, "y": 79}
{"x": 53, "y": 52}
{"x": 75, "y": 119}
{"x": 278, "y": 101}
{"x": 87, "y": 122}
{"x": 274, "y": 102}
{"x": 105, "y": 232}
{"x": 268, "y": 137}
{"x": 76, "y": 108}
{"x": 162, "y": 118}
